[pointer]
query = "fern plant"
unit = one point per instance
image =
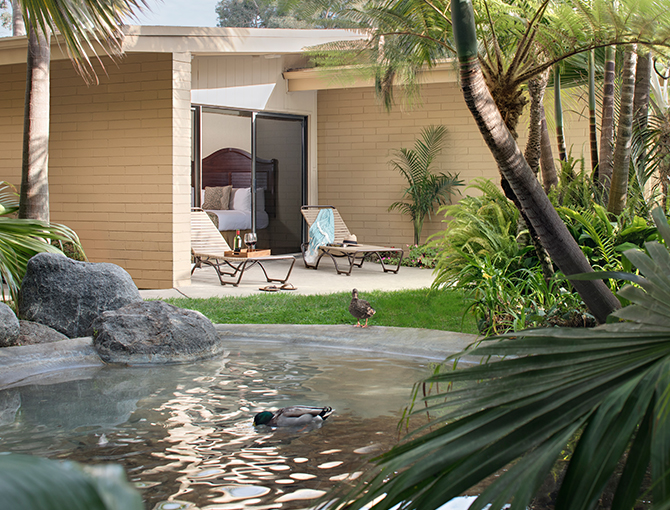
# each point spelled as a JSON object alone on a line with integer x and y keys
{"x": 426, "y": 190}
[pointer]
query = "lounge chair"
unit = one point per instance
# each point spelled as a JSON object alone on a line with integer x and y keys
{"x": 209, "y": 247}
{"x": 354, "y": 254}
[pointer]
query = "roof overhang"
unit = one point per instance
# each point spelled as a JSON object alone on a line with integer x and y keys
{"x": 352, "y": 77}
{"x": 199, "y": 41}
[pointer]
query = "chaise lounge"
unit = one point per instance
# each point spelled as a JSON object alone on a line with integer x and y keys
{"x": 341, "y": 247}
{"x": 209, "y": 247}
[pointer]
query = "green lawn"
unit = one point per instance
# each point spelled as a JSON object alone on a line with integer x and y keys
{"x": 407, "y": 309}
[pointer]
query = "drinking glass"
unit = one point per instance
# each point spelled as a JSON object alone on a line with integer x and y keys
{"x": 250, "y": 239}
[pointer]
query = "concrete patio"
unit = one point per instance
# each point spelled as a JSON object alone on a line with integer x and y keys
{"x": 323, "y": 280}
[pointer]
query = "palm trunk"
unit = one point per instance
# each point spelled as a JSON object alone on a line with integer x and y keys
{"x": 641, "y": 105}
{"x": 607, "y": 124}
{"x": 593, "y": 135}
{"x": 18, "y": 26}
{"x": 553, "y": 233}
{"x": 533, "y": 152}
{"x": 558, "y": 109}
{"x": 34, "y": 203}
{"x": 624, "y": 138}
{"x": 547, "y": 165}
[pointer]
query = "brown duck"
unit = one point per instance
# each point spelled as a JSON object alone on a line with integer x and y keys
{"x": 360, "y": 309}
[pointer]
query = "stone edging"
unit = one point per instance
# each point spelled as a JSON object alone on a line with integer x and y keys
{"x": 37, "y": 363}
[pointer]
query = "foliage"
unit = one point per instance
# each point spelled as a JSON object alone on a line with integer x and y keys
{"x": 423, "y": 308}
{"x": 481, "y": 252}
{"x": 606, "y": 388}
{"x": 21, "y": 239}
{"x": 281, "y": 14}
{"x": 84, "y": 26}
{"x": 415, "y": 255}
{"x": 475, "y": 226}
{"x": 425, "y": 190}
{"x": 34, "y": 483}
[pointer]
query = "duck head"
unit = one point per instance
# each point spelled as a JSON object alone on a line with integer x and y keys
{"x": 263, "y": 418}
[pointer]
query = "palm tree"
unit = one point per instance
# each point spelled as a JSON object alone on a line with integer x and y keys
{"x": 622, "y": 149}
{"x": 426, "y": 190}
{"x": 81, "y": 25}
{"x": 408, "y": 34}
{"x": 607, "y": 123}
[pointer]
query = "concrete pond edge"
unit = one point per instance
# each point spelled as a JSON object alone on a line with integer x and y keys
{"x": 59, "y": 361}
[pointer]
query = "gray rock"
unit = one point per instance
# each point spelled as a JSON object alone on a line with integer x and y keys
{"x": 154, "y": 332}
{"x": 9, "y": 326}
{"x": 67, "y": 295}
{"x": 36, "y": 333}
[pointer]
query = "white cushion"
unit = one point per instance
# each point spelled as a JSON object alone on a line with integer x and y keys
{"x": 241, "y": 200}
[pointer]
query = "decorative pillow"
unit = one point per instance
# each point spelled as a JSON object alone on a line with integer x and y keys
{"x": 214, "y": 197}
{"x": 241, "y": 200}
{"x": 225, "y": 197}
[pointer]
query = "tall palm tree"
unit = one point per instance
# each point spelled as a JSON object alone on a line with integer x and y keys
{"x": 607, "y": 123}
{"x": 622, "y": 149}
{"x": 80, "y": 24}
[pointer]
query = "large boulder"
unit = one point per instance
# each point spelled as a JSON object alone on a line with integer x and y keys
{"x": 67, "y": 295}
{"x": 9, "y": 326}
{"x": 154, "y": 332}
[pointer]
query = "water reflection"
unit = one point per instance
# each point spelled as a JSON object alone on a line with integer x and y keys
{"x": 185, "y": 435}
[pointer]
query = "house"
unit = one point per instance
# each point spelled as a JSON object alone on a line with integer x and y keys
{"x": 121, "y": 152}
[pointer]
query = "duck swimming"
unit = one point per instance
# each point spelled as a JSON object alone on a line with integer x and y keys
{"x": 293, "y": 416}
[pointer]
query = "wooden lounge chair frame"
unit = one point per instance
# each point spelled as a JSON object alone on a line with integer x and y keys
{"x": 353, "y": 253}
{"x": 209, "y": 247}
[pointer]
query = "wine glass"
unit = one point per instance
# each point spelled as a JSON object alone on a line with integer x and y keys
{"x": 250, "y": 239}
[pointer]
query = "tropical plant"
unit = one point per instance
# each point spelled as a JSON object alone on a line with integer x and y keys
{"x": 34, "y": 483}
{"x": 477, "y": 226}
{"x": 426, "y": 190}
{"x": 21, "y": 239}
{"x": 532, "y": 199}
{"x": 83, "y": 26}
{"x": 600, "y": 397}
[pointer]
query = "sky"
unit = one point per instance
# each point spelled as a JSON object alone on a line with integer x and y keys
{"x": 181, "y": 13}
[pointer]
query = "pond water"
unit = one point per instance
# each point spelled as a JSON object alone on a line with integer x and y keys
{"x": 184, "y": 433}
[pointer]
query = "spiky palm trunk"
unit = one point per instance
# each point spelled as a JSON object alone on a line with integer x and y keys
{"x": 607, "y": 124}
{"x": 547, "y": 165}
{"x": 624, "y": 139}
{"x": 536, "y": 89}
{"x": 543, "y": 217}
{"x": 34, "y": 202}
{"x": 593, "y": 135}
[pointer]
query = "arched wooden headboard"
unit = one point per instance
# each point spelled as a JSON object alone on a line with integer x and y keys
{"x": 233, "y": 166}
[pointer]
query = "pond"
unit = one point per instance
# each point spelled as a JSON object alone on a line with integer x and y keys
{"x": 184, "y": 433}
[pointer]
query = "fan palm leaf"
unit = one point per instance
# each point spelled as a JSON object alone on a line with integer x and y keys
{"x": 607, "y": 389}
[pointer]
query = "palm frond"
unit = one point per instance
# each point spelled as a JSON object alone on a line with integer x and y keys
{"x": 604, "y": 390}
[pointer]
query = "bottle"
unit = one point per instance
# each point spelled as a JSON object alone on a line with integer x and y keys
{"x": 237, "y": 243}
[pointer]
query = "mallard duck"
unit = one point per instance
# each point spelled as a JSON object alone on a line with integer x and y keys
{"x": 360, "y": 309}
{"x": 293, "y": 416}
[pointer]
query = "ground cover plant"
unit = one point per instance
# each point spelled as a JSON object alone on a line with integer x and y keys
{"x": 423, "y": 308}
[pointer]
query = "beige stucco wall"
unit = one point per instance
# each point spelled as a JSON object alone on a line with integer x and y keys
{"x": 357, "y": 137}
{"x": 119, "y": 160}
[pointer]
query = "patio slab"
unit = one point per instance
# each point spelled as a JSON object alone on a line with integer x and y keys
{"x": 325, "y": 280}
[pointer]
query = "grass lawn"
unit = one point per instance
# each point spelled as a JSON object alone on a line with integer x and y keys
{"x": 406, "y": 309}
